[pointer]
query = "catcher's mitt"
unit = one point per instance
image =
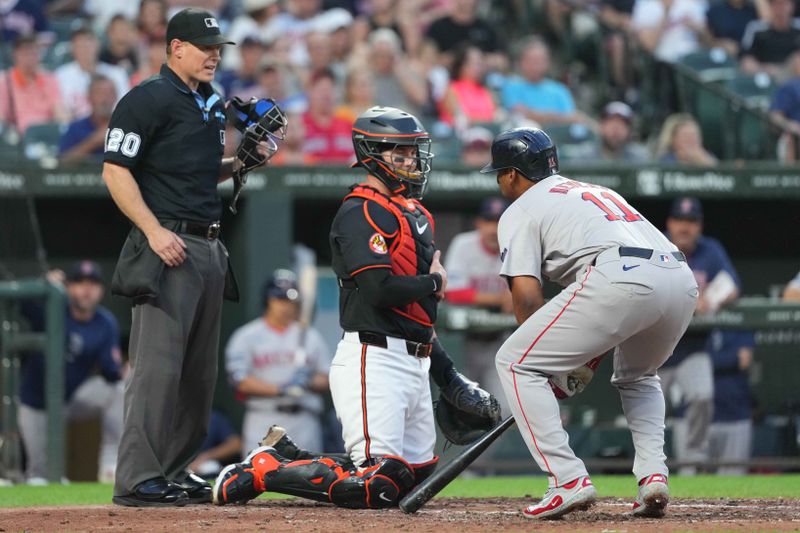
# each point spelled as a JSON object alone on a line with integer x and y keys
{"x": 465, "y": 411}
{"x": 460, "y": 427}
{"x": 259, "y": 120}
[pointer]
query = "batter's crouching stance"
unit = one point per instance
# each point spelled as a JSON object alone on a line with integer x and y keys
{"x": 391, "y": 281}
{"x": 627, "y": 288}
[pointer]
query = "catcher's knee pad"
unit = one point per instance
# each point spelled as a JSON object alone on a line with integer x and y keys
{"x": 374, "y": 487}
{"x": 423, "y": 471}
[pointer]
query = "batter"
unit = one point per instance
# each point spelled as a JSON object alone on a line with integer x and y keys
{"x": 625, "y": 286}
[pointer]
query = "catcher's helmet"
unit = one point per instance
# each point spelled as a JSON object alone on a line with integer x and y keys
{"x": 282, "y": 284}
{"x": 382, "y": 128}
{"x": 528, "y": 150}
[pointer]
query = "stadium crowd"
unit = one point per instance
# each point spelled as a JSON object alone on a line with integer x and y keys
{"x": 459, "y": 64}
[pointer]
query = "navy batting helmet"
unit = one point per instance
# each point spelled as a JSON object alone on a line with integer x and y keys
{"x": 528, "y": 150}
{"x": 282, "y": 284}
{"x": 381, "y": 128}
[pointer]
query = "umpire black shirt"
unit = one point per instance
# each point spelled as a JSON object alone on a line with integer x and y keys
{"x": 172, "y": 140}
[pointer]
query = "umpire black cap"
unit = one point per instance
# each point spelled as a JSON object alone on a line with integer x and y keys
{"x": 196, "y": 26}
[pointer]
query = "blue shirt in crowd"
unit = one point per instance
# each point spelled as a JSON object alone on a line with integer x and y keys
{"x": 728, "y": 22}
{"x": 76, "y": 133}
{"x": 787, "y": 100}
{"x": 708, "y": 259}
{"x": 548, "y": 96}
{"x": 731, "y": 389}
{"x": 89, "y": 345}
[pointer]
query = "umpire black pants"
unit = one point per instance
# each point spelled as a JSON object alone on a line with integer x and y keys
{"x": 173, "y": 352}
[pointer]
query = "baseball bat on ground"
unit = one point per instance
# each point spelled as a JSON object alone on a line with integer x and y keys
{"x": 442, "y": 477}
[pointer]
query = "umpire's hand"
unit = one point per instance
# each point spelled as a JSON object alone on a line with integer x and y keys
{"x": 167, "y": 245}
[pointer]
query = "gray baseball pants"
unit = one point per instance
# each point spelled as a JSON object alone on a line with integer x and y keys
{"x": 642, "y": 310}
{"x": 173, "y": 351}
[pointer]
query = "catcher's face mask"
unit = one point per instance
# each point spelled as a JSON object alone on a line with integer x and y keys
{"x": 405, "y": 166}
{"x": 260, "y": 120}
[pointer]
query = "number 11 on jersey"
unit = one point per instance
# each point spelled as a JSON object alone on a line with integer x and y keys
{"x": 628, "y": 215}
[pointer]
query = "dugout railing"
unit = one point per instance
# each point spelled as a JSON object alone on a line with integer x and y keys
{"x": 15, "y": 341}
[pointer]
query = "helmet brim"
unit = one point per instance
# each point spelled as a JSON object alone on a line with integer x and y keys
{"x": 489, "y": 168}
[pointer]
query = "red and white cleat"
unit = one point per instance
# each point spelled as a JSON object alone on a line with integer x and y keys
{"x": 653, "y": 496}
{"x": 578, "y": 494}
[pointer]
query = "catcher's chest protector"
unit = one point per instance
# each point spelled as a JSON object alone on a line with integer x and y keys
{"x": 412, "y": 247}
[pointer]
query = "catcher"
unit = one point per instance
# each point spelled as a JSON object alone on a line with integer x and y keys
{"x": 390, "y": 282}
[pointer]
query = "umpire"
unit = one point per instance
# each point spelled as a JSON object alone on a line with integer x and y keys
{"x": 162, "y": 163}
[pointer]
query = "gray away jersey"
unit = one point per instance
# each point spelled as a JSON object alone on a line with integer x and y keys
{"x": 272, "y": 356}
{"x": 558, "y": 226}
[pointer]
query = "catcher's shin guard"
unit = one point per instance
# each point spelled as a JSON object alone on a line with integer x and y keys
{"x": 374, "y": 487}
{"x": 423, "y": 471}
{"x": 241, "y": 482}
{"x": 325, "y": 480}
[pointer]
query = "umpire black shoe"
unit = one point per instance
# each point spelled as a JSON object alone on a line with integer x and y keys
{"x": 197, "y": 488}
{"x": 156, "y": 492}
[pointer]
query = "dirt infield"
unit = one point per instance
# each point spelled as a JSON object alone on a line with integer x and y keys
{"x": 442, "y": 515}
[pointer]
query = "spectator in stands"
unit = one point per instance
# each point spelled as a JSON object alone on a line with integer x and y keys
{"x": 328, "y": 139}
{"x": 476, "y": 147}
{"x": 92, "y": 344}
{"x": 731, "y": 432}
{"x": 792, "y": 291}
{"x": 242, "y": 82}
{"x": 292, "y": 26}
{"x": 616, "y": 18}
{"x": 467, "y": 99}
{"x": 785, "y": 109}
{"x": 120, "y": 46}
{"x": 73, "y": 78}
{"x": 255, "y": 21}
{"x": 292, "y": 152}
{"x": 392, "y": 15}
{"x": 85, "y": 138}
{"x": 615, "y": 143}
{"x": 690, "y": 367}
{"x": 28, "y": 94}
{"x": 359, "y": 94}
{"x": 20, "y": 18}
{"x": 152, "y": 20}
{"x": 337, "y": 24}
{"x": 472, "y": 263}
{"x": 154, "y": 56}
{"x": 680, "y": 142}
{"x": 397, "y": 82}
{"x": 669, "y": 30}
{"x": 221, "y": 447}
{"x": 279, "y": 368}
{"x": 534, "y": 96}
{"x": 767, "y": 45}
{"x": 318, "y": 45}
{"x": 463, "y": 25}
{"x": 726, "y": 21}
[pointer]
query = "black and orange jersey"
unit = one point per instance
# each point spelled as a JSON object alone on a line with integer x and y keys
{"x": 374, "y": 232}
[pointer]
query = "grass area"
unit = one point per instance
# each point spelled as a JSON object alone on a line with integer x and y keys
{"x": 773, "y": 486}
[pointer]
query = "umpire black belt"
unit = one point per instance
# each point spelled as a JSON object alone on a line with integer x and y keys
{"x": 206, "y": 230}
{"x": 420, "y": 350}
{"x": 645, "y": 253}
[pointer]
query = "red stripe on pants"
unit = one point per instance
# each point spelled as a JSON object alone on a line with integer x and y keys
{"x": 514, "y": 376}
